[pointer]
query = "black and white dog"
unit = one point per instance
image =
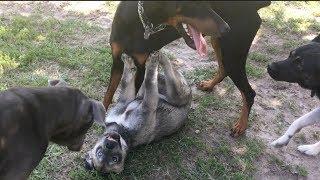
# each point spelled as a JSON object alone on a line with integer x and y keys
{"x": 302, "y": 67}
{"x": 159, "y": 109}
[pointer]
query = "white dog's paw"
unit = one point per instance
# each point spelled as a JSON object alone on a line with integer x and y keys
{"x": 311, "y": 150}
{"x": 282, "y": 141}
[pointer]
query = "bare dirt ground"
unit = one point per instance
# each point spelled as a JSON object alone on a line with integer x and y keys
{"x": 276, "y": 106}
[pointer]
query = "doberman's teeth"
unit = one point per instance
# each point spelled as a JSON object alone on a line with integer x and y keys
{"x": 184, "y": 25}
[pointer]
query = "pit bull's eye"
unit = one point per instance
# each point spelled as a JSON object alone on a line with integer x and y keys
{"x": 298, "y": 59}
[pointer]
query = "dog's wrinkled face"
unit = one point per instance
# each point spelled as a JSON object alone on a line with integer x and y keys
{"x": 73, "y": 135}
{"x": 108, "y": 155}
{"x": 302, "y": 66}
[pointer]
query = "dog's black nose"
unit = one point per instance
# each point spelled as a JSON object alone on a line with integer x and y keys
{"x": 88, "y": 164}
{"x": 272, "y": 71}
{"x": 109, "y": 144}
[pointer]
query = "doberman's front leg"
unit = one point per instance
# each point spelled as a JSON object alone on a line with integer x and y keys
{"x": 116, "y": 73}
{"x": 208, "y": 85}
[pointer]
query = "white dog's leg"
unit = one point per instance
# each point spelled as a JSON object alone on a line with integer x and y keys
{"x": 306, "y": 120}
{"x": 311, "y": 149}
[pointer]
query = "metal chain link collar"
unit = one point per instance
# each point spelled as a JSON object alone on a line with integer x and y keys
{"x": 147, "y": 24}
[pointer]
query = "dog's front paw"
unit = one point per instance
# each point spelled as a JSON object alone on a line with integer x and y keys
{"x": 311, "y": 149}
{"x": 282, "y": 141}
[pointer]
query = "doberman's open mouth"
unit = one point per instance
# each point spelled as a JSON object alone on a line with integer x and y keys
{"x": 193, "y": 38}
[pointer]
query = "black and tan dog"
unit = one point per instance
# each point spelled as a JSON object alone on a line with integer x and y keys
{"x": 302, "y": 67}
{"x": 31, "y": 117}
{"x": 160, "y": 109}
{"x": 139, "y": 28}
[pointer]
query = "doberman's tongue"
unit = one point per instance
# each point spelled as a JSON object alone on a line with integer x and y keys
{"x": 199, "y": 41}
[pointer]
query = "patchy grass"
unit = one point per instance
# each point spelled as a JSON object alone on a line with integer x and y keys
{"x": 292, "y": 17}
{"x": 280, "y": 166}
{"x": 254, "y": 71}
{"x": 259, "y": 57}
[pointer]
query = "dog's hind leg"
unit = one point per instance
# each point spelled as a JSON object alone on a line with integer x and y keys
{"x": 208, "y": 85}
{"x": 234, "y": 50}
{"x": 127, "y": 84}
{"x": 305, "y": 120}
{"x": 174, "y": 81}
{"x": 116, "y": 74}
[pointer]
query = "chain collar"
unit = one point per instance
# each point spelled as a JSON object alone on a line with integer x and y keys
{"x": 147, "y": 24}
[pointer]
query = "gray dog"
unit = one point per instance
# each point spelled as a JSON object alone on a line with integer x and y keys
{"x": 31, "y": 117}
{"x": 159, "y": 109}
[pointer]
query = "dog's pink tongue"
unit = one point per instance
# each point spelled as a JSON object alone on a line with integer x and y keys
{"x": 199, "y": 41}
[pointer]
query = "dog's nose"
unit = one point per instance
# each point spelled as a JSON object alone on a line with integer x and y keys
{"x": 272, "y": 71}
{"x": 109, "y": 144}
{"x": 88, "y": 165}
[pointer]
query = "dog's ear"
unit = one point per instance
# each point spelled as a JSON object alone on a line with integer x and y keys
{"x": 316, "y": 39}
{"x": 57, "y": 82}
{"x": 98, "y": 112}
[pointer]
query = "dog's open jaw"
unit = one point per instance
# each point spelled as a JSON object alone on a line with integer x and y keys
{"x": 198, "y": 40}
{"x": 191, "y": 35}
{"x": 193, "y": 38}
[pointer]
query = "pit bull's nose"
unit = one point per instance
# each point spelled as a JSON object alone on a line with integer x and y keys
{"x": 272, "y": 71}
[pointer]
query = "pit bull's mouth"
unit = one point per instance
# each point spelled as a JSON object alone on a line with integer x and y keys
{"x": 193, "y": 38}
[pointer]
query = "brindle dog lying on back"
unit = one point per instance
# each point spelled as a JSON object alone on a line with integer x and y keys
{"x": 159, "y": 109}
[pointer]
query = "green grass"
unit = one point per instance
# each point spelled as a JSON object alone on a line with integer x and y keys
{"x": 26, "y": 42}
{"x": 259, "y": 57}
{"x": 50, "y": 164}
{"x": 254, "y": 71}
{"x": 292, "y": 17}
{"x": 283, "y": 167}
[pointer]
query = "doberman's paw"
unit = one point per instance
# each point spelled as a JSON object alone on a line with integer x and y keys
{"x": 238, "y": 129}
{"x": 205, "y": 85}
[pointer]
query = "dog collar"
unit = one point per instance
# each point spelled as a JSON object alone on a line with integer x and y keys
{"x": 147, "y": 24}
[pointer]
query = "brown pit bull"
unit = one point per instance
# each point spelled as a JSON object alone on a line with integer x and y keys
{"x": 31, "y": 117}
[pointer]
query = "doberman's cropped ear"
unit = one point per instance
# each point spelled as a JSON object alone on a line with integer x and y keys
{"x": 98, "y": 112}
{"x": 57, "y": 82}
{"x": 316, "y": 39}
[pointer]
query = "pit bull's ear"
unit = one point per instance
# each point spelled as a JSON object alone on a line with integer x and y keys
{"x": 98, "y": 112}
{"x": 57, "y": 82}
{"x": 316, "y": 39}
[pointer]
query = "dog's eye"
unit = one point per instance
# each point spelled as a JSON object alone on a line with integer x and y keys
{"x": 115, "y": 159}
{"x": 298, "y": 59}
{"x": 99, "y": 153}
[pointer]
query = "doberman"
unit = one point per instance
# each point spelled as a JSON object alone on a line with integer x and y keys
{"x": 140, "y": 28}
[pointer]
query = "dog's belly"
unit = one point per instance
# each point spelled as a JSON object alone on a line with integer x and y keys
{"x": 170, "y": 118}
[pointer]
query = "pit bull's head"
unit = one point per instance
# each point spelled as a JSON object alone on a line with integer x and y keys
{"x": 302, "y": 67}
{"x": 108, "y": 155}
{"x": 73, "y": 135}
{"x": 190, "y": 18}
